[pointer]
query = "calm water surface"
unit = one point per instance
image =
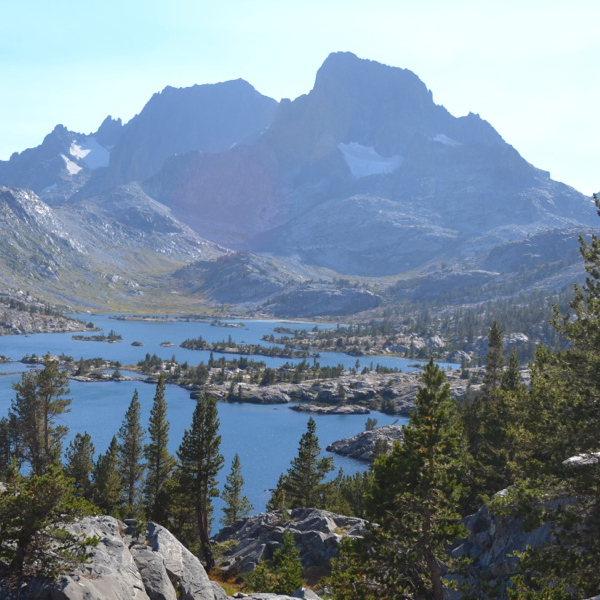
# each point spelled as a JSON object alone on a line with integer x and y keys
{"x": 265, "y": 437}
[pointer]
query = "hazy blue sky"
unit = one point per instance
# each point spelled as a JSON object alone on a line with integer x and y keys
{"x": 531, "y": 68}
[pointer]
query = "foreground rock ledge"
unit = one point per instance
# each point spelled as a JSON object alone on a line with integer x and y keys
{"x": 152, "y": 567}
{"x": 124, "y": 568}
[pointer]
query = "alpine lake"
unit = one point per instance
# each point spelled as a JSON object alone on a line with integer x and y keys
{"x": 266, "y": 437}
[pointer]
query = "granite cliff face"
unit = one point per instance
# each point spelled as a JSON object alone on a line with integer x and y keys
{"x": 123, "y": 567}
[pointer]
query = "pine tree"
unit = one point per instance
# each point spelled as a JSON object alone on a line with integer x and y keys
{"x": 511, "y": 378}
{"x": 561, "y": 418}
{"x": 415, "y": 502}
{"x": 304, "y": 479}
{"x": 39, "y": 401}
{"x": 494, "y": 359}
{"x": 9, "y": 445}
{"x": 582, "y": 360}
{"x": 277, "y": 501}
{"x": 108, "y": 488}
{"x": 237, "y": 506}
{"x": 159, "y": 462}
{"x": 131, "y": 450}
{"x": 33, "y": 512}
{"x": 199, "y": 464}
{"x": 80, "y": 464}
{"x": 284, "y": 573}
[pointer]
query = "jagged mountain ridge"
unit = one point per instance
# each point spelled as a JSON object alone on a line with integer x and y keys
{"x": 363, "y": 176}
{"x": 64, "y": 164}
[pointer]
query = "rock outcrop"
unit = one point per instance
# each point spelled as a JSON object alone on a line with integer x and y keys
{"x": 123, "y": 567}
{"x": 362, "y": 446}
{"x": 492, "y": 541}
{"x": 304, "y": 594}
{"x": 317, "y": 534}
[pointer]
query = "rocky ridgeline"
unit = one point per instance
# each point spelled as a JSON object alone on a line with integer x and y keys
{"x": 317, "y": 534}
{"x": 362, "y": 446}
{"x": 368, "y": 390}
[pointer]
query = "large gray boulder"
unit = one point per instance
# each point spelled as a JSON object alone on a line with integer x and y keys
{"x": 317, "y": 534}
{"x": 491, "y": 543}
{"x": 151, "y": 566}
{"x": 125, "y": 567}
{"x": 180, "y": 564}
{"x": 111, "y": 574}
{"x": 493, "y": 539}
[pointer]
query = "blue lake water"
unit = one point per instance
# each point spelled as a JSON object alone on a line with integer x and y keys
{"x": 265, "y": 437}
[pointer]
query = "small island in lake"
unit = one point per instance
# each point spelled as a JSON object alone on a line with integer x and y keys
{"x": 111, "y": 338}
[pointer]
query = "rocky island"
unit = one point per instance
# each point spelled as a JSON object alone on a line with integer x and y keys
{"x": 342, "y": 409}
{"x": 391, "y": 392}
{"x": 365, "y": 445}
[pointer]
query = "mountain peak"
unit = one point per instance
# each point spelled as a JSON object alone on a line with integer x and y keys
{"x": 357, "y": 101}
{"x": 108, "y": 133}
{"x": 348, "y": 70}
{"x": 206, "y": 118}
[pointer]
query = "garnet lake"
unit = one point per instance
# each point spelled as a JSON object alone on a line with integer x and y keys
{"x": 265, "y": 436}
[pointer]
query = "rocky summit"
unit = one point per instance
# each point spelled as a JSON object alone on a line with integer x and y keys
{"x": 222, "y": 195}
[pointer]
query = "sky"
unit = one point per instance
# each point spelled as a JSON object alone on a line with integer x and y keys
{"x": 530, "y": 68}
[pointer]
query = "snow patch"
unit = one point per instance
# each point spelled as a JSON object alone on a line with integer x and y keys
{"x": 91, "y": 153}
{"x": 444, "y": 139}
{"x": 72, "y": 168}
{"x": 364, "y": 161}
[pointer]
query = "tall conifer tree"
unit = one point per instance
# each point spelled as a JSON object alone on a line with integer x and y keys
{"x": 80, "y": 464}
{"x": 199, "y": 464}
{"x": 131, "y": 451}
{"x": 237, "y": 506}
{"x": 415, "y": 502}
{"x": 108, "y": 488}
{"x": 40, "y": 400}
{"x": 494, "y": 359}
{"x": 304, "y": 480}
{"x": 159, "y": 462}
